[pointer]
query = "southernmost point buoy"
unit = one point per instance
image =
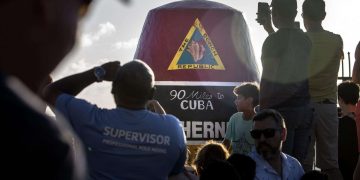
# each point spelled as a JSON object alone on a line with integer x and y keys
{"x": 199, "y": 50}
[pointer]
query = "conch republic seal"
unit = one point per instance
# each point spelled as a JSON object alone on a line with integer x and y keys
{"x": 199, "y": 51}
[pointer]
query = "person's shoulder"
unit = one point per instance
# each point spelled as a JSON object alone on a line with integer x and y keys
{"x": 293, "y": 165}
{"x": 350, "y": 118}
{"x": 65, "y": 97}
{"x": 273, "y": 36}
{"x": 18, "y": 110}
{"x": 67, "y": 100}
{"x": 23, "y": 119}
{"x": 292, "y": 161}
{"x": 169, "y": 119}
{"x": 24, "y": 115}
{"x": 325, "y": 35}
{"x": 329, "y": 33}
{"x": 333, "y": 35}
{"x": 236, "y": 115}
{"x": 301, "y": 34}
{"x": 254, "y": 155}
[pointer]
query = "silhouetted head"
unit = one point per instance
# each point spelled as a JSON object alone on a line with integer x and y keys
{"x": 348, "y": 93}
{"x": 219, "y": 169}
{"x": 36, "y": 35}
{"x": 314, "y": 175}
{"x": 283, "y": 11}
{"x": 314, "y": 10}
{"x": 133, "y": 85}
{"x": 244, "y": 165}
{"x": 313, "y": 13}
{"x": 208, "y": 153}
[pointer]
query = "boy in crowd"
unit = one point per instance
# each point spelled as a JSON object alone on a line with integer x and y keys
{"x": 240, "y": 123}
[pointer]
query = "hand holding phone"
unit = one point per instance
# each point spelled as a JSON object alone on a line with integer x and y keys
{"x": 263, "y": 13}
{"x": 264, "y": 17}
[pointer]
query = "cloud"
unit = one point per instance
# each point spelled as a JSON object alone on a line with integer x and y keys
{"x": 88, "y": 39}
{"x": 79, "y": 66}
{"x": 75, "y": 66}
{"x": 132, "y": 43}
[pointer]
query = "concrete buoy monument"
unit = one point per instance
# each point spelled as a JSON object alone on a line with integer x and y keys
{"x": 199, "y": 51}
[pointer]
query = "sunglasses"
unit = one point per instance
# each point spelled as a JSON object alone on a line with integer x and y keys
{"x": 268, "y": 133}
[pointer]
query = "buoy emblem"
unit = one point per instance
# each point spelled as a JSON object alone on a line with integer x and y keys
{"x": 196, "y": 51}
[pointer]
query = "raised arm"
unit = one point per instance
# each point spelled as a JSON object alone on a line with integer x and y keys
{"x": 266, "y": 22}
{"x": 74, "y": 84}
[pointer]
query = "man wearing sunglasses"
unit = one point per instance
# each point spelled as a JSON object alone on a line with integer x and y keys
{"x": 269, "y": 132}
{"x": 35, "y": 35}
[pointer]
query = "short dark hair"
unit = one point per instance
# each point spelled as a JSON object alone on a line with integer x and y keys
{"x": 285, "y": 8}
{"x": 348, "y": 91}
{"x": 133, "y": 84}
{"x": 314, "y": 9}
{"x": 265, "y": 113}
{"x": 209, "y": 152}
{"x": 219, "y": 169}
{"x": 244, "y": 165}
{"x": 314, "y": 174}
{"x": 248, "y": 89}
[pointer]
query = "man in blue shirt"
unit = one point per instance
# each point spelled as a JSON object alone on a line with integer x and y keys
{"x": 127, "y": 142}
{"x": 269, "y": 132}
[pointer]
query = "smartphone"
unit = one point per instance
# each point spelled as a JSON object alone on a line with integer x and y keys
{"x": 263, "y": 11}
{"x": 263, "y": 8}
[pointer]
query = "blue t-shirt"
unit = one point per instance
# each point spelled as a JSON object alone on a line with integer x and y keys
{"x": 126, "y": 144}
{"x": 238, "y": 132}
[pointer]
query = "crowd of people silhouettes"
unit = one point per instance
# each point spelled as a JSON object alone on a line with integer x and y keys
{"x": 137, "y": 139}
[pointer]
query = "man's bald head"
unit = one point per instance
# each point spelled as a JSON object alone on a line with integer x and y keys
{"x": 133, "y": 85}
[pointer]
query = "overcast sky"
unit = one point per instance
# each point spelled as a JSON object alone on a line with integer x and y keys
{"x": 112, "y": 29}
